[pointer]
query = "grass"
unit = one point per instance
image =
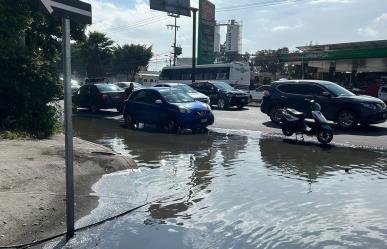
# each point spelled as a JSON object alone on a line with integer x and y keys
{"x": 13, "y": 135}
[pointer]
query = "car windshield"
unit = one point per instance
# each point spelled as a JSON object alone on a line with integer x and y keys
{"x": 176, "y": 96}
{"x": 185, "y": 88}
{"x": 338, "y": 90}
{"x": 223, "y": 86}
{"x": 108, "y": 88}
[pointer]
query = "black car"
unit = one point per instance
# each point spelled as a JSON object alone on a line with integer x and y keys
{"x": 338, "y": 104}
{"x": 222, "y": 94}
{"x": 98, "y": 96}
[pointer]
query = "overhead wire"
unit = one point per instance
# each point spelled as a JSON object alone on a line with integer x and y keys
{"x": 257, "y": 5}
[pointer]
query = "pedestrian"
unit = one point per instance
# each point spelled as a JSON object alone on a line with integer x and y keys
{"x": 128, "y": 91}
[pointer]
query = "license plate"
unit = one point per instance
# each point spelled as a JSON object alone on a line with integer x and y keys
{"x": 243, "y": 100}
{"x": 116, "y": 97}
{"x": 204, "y": 120}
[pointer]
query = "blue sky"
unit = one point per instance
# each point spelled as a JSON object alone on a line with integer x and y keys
{"x": 293, "y": 23}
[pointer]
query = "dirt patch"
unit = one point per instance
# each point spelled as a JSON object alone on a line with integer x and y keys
{"x": 32, "y": 185}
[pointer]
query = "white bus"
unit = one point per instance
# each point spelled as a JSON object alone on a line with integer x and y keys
{"x": 235, "y": 74}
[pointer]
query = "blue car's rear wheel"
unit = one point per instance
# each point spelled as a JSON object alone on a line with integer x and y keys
{"x": 172, "y": 126}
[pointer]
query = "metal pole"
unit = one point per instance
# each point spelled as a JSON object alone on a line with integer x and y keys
{"x": 302, "y": 66}
{"x": 194, "y": 10}
{"x": 68, "y": 128}
{"x": 174, "y": 44}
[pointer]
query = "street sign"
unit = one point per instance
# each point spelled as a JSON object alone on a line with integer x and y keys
{"x": 80, "y": 12}
{"x": 179, "y": 7}
{"x": 73, "y": 9}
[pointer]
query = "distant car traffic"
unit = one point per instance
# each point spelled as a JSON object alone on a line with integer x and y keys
{"x": 222, "y": 94}
{"x": 338, "y": 104}
{"x": 167, "y": 107}
{"x": 187, "y": 89}
{"x": 98, "y": 96}
{"x": 123, "y": 85}
{"x": 257, "y": 94}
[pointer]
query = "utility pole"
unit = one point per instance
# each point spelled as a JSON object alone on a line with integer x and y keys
{"x": 176, "y": 28}
{"x": 194, "y": 11}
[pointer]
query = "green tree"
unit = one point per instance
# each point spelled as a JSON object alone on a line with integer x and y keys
{"x": 268, "y": 61}
{"x": 29, "y": 49}
{"x": 128, "y": 59}
{"x": 96, "y": 53}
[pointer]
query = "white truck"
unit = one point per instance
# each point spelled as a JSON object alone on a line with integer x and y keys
{"x": 382, "y": 93}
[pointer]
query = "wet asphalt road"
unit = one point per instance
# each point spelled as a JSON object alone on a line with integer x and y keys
{"x": 252, "y": 119}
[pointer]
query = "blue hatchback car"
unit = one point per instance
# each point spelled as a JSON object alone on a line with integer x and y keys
{"x": 167, "y": 107}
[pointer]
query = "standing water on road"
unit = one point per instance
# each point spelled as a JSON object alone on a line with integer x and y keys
{"x": 231, "y": 189}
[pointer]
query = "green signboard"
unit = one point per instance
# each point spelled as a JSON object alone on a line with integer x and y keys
{"x": 206, "y": 35}
{"x": 335, "y": 55}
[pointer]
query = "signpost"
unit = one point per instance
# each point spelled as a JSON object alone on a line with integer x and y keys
{"x": 79, "y": 12}
{"x": 179, "y": 7}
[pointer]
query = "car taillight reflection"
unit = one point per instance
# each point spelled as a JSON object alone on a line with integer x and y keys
{"x": 266, "y": 93}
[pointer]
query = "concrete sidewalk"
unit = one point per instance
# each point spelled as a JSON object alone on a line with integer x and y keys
{"x": 32, "y": 185}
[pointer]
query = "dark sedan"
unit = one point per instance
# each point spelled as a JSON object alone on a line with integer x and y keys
{"x": 222, "y": 94}
{"x": 338, "y": 104}
{"x": 98, "y": 96}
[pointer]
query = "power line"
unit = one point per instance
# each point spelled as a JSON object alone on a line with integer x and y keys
{"x": 257, "y": 5}
{"x": 137, "y": 23}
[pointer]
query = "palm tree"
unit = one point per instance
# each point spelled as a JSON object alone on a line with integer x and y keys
{"x": 96, "y": 53}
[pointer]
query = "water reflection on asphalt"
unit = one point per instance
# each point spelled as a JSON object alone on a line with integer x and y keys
{"x": 229, "y": 189}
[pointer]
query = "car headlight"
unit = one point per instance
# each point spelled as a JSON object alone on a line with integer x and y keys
{"x": 184, "y": 110}
{"x": 369, "y": 106}
{"x": 209, "y": 107}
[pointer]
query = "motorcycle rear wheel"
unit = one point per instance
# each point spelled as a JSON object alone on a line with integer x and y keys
{"x": 324, "y": 136}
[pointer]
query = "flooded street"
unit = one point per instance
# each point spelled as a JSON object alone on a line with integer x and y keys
{"x": 233, "y": 189}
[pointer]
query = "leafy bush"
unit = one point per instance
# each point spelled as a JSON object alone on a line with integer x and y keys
{"x": 29, "y": 49}
{"x": 26, "y": 88}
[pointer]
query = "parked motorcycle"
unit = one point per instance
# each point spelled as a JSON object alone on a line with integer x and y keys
{"x": 293, "y": 122}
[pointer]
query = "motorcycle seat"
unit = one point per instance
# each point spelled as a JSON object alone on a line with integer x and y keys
{"x": 295, "y": 113}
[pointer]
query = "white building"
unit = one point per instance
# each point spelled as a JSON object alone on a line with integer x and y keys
{"x": 147, "y": 78}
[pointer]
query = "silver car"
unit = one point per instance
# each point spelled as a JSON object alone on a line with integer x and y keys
{"x": 189, "y": 90}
